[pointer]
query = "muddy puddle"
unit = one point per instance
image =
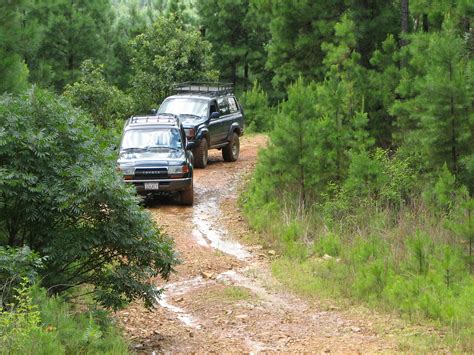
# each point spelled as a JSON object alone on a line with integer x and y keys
{"x": 207, "y": 233}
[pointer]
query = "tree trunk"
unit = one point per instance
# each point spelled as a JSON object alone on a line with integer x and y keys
{"x": 234, "y": 73}
{"x": 246, "y": 74}
{"x": 404, "y": 20}
{"x": 453, "y": 127}
{"x": 426, "y": 23}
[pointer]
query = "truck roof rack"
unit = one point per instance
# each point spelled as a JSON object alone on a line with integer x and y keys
{"x": 167, "y": 119}
{"x": 210, "y": 88}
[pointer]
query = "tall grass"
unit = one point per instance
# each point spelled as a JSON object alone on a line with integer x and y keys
{"x": 410, "y": 258}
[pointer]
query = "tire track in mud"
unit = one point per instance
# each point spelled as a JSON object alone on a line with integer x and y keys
{"x": 223, "y": 297}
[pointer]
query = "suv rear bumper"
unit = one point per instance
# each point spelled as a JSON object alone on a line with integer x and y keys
{"x": 165, "y": 185}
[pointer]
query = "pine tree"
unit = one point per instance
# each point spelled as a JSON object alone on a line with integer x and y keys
{"x": 298, "y": 28}
{"x": 237, "y": 34}
{"x": 381, "y": 83}
{"x": 13, "y": 71}
{"x": 76, "y": 30}
{"x": 288, "y": 160}
{"x": 436, "y": 114}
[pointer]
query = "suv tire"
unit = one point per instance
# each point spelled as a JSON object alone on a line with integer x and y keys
{"x": 232, "y": 150}
{"x": 201, "y": 154}
{"x": 187, "y": 197}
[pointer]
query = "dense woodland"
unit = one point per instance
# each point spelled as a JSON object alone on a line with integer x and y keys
{"x": 369, "y": 108}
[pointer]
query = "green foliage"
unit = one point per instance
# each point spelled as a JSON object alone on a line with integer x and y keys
{"x": 258, "y": 114}
{"x": 61, "y": 195}
{"x": 38, "y": 324}
{"x": 297, "y": 31}
{"x": 89, "y": 331}
{"x": 436, "y": 114}
{"x": 289, "y": 158}
{"x": 380, "y": 88}
{"x": 17, "y": 265}
{"x": 165, "y": 54}
{"x": 105, "y": 104}
{"x": 223, "y": 24}
{"x": 72, "y": 34}
{"x": 375, "y": 177}
{"x": 13, "y": 71}
{"x": 329, "y": 244}
{"x": 441, "y": 196}
{"x": 291, "y": 241}
{"x": 462, "y": 224}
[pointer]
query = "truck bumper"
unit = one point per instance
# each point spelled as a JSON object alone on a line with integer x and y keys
{"x": 164, "y": 187}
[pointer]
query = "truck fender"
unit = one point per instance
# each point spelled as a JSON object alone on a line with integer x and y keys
{"x": 234, "y": 127}
{"x": 203, "y": 132}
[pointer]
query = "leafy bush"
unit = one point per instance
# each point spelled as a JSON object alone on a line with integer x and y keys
{"x": 258, "y": 114}
{"x": 61, "y": 196}
{"x": 16, "y": 264}
{"x": 165, "y": 54}
{"x": 105, "y": 103}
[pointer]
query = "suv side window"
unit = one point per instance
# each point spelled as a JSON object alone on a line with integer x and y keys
{"x": 223, "y": 106}
{"x": 232, "y": 105}
{"x": 213, "y": 107}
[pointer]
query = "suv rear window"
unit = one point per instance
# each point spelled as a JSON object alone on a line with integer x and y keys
{"x": 223, "y": 106}
{"x": 232, "y": 105}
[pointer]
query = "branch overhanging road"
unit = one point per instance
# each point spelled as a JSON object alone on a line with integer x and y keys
{"x": 223, "y": 296}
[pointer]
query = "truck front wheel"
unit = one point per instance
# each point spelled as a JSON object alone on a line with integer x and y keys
{"x": 187, "y": 197}
{"x": 232, "y": 150}
{"x": 201, "y": 154}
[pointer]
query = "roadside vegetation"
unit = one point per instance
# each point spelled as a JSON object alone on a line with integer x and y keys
{"x": 365, "y": 188}
{"x": 366, "y": 185}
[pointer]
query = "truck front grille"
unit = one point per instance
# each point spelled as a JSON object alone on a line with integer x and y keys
{"x": 151, "y": 173}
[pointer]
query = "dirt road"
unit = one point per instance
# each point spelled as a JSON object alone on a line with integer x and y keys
{"x": 223, "y": 297}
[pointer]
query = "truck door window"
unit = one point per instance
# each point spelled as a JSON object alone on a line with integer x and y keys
{"x": 213, "y": 107}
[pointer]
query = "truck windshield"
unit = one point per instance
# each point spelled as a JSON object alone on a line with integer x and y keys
{"x": 151, "y": 138}
{"x": 184, "y": 106}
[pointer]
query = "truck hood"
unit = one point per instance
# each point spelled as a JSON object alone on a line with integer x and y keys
{"x": 190, "y": 122}
{"x": 172, "y": 157}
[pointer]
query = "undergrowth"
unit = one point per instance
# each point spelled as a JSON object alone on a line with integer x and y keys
{"x": 413, "y": 258}
{"x": 38, "y": 324}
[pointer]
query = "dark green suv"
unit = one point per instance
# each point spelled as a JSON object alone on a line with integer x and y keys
{"x": 211, "y": 116}
{"x": 155, "y": 157}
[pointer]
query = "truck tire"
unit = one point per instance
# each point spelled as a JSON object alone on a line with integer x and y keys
{"x": 187, "y": 197}
{"x": 232, "y": 150}
{"x": 201, "y": 154}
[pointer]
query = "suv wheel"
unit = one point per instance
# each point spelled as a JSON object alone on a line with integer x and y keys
{"x": 232, "y": 150}
{"x": 187, "y": 197}
{"x": 201, "y": 154}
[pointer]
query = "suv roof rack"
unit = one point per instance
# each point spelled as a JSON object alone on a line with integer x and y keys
{"x": 210, "y": 88}
{"x": 167, "y": 119}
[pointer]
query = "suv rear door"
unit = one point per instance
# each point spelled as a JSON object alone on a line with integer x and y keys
{"x": 222, "y": 123}
{"x": 214, "y": 125}
{"x": 235, "y": 115}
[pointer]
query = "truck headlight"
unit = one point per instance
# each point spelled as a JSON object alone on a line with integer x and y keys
{"x": 178, "y": 169}
{"x": 128, "y": 170}
{"x": 190, "y": 132}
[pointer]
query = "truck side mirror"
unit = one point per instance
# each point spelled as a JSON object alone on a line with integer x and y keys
{"x": 215, "y": 115}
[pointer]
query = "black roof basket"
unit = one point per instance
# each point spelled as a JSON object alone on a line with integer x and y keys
{"x": 204, "y": 87}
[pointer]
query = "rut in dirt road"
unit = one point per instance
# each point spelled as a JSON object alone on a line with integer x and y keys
{"x": 223, "y": 297}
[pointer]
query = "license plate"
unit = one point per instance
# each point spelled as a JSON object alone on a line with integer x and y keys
{"x": 152, "y": 186}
